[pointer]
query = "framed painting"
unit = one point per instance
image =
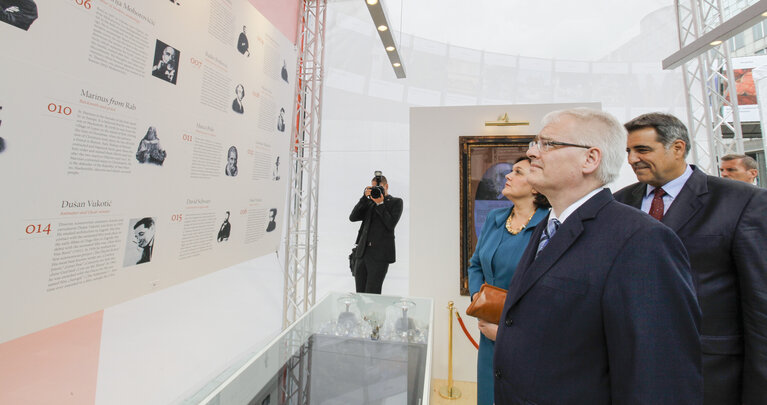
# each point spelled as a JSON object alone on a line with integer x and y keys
{"x": 484, "y": 163}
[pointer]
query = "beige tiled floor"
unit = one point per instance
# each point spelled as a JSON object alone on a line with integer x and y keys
{"x": 468, "y": 393}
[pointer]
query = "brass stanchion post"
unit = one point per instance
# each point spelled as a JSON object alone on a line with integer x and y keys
{"x": 450, "y": 392}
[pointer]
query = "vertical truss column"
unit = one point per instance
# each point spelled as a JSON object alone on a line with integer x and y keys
{"x": 705, "y": 80}
{"x": 301, "y": 245}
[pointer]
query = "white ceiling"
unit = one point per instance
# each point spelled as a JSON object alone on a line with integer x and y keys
{"x": 566, "y": 29}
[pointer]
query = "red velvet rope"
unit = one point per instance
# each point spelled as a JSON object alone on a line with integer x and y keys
{"x": 471, "y": 339}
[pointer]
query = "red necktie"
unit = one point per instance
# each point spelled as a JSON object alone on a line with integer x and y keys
{"x": 656, "y": 208}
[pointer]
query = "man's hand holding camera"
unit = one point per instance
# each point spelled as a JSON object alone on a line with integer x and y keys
{"x": 368, "y": 194}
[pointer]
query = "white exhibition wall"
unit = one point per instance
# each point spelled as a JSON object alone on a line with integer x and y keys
{"x": 149, "y": 151}
{"x": 83, "y": 87}
{"x": 368, "y": 125}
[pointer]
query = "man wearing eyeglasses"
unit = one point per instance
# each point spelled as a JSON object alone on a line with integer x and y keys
{"x": 601, "y": 309}
{"x": 722, "y": 224}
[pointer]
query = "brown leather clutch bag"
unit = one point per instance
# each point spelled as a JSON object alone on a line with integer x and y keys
{"x": 488, "y": 305}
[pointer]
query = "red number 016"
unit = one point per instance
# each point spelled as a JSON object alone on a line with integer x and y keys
{"x": 31, "y": 228}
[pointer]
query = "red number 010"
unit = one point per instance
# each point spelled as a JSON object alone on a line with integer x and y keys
{"x": 84, "y": 3}
{"x": 58, "y": 108}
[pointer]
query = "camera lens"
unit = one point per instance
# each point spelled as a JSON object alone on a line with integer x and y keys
{"x": 375, "y": 192}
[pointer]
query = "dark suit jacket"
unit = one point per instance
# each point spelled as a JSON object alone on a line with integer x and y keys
{"x": 723, "y": 225}
{"x": 375, "y": 238}
{"x": 605, "y": 315}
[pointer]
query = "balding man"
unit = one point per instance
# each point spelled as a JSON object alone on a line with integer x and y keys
{"x": 601, "y": 309}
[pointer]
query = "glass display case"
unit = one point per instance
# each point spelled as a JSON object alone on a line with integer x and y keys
{"x": 347, "y": 349}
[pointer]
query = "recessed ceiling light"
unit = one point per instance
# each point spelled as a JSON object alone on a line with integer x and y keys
{"x": 715, "y": 43}
{"x": 389, "y": 48}
{"x": 382, "y": 28}
{"x": 764, "y": 14}
{"x": 396, "y": 64}
{"x": 372, "y": 2}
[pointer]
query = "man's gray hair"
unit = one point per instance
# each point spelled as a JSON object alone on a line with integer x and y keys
{"x": 748, "y": 162}
{"x": 668, "y": 128}
{"x": 600, "y": 130}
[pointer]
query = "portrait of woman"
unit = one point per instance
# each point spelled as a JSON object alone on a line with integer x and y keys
{"x": 231, "y": 162}
{"x": 237, "y": 103}
{"x": 506, "y": 230}
{"x": 149, "y": 149}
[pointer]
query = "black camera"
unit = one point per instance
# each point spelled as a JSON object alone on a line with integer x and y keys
{"x": 377, "y": 191}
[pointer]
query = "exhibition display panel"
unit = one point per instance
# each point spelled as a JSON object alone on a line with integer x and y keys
{"x": 349, "y": 348}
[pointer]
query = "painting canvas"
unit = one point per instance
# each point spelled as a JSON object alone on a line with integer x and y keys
{"x": 484, "y": 163}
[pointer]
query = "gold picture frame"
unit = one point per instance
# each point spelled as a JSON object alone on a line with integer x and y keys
{"x": 484, "y": 162}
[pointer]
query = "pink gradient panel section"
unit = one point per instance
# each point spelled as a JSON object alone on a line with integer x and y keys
{"x": 282, "y": 13}
{"x": 58, "y": 365}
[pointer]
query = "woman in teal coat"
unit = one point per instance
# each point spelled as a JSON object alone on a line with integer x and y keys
{"x": 503, "y": 239}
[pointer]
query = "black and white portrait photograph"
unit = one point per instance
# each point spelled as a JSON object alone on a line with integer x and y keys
{"x": 231, "y": 162}
{"x": 19, "y": 13}
{"x": 242, "y": 42}
{"x": 276, "y": 170}
{"x": 165, "y": 64}
{"x": 149, "y": 149}
{"x": 237, "y": 106}
{"x": 140, "y": 243}
{"x": 272, "y": 220}
{"x": 224, "y": 230}
{"x": 284, "y": 71}
{"x": 281, "y": 120}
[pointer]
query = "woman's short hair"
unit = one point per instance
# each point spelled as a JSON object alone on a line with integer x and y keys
{"x": 540, "y": 200}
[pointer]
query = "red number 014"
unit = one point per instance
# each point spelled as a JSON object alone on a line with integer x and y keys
{"x": 32, "y": 228}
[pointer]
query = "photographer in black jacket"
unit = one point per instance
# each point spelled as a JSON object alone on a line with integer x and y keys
{"x": 379, "y": 213}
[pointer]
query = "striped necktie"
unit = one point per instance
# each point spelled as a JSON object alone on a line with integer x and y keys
{"x": 548, "y": 233}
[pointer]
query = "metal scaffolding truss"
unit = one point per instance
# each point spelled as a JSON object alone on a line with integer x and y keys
{"x": 295, "y": 383}
{"x": 303, "y": 180}
{"x": 712, "y": 103}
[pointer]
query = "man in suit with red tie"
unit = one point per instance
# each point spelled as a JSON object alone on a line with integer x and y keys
{"x": 722, "y": 224}
{"x": 601, "y": 309}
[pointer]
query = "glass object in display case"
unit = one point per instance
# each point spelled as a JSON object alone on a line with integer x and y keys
{"x": 348, "y": 349}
